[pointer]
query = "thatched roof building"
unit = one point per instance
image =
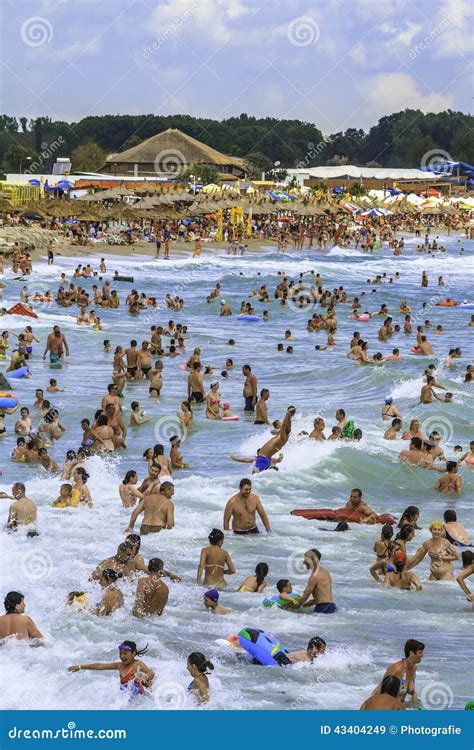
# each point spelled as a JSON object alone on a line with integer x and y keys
{"x": 169, "y": 154}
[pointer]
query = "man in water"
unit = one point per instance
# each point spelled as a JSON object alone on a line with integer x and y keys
{"x": 405, "y": 670}
{"x": 319, "y": 584}
{"x": 196, "y": 390}
{"x": 157, "y": 509}
{"x": 124, "y": 561}
{"x": 211, "y": 603}
{"x": 416, "y": 457}
{"x": 275, "y": 444}
{"x": 250, "y": 388}
{"x": 355, "y": 503}
{"x": 23, "y": 511}
{"x": 387, "y": 699}
{"x": 152, "y": 593}
{"x": 427, "y": 393}
{"x": 15, "y": 622}
{"x": 56, "y": 345}
{"x": 316, "y": 647}
{"x": 242, "y": 509}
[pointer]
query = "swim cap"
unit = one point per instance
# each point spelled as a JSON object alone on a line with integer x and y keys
{"x": 436, "y": 523}
{"x": 222, "y": 301}
{"x": 213, "y": 595}
{"x": 388, "y": 400}
{"x": 399, "y": 557}
{"x": 226, "y": 406}
{"x": 469, "y": 706}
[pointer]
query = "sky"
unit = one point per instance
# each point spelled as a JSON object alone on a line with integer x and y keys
{"x": 335, "y": 63}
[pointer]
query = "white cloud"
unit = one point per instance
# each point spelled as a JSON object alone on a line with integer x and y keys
{"x": 358, "y": 54}
{"x": 392, "y": 92}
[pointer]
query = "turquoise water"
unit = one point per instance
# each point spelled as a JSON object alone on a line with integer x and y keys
{"x": 369, "y": 630}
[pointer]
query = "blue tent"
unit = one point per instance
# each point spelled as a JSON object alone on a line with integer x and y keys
{"x": 34, "y": 183}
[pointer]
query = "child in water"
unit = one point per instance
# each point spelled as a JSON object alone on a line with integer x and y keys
{"x": 134, "y": 673}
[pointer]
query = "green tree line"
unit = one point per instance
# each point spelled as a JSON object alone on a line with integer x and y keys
{"x": 397, "y": 140}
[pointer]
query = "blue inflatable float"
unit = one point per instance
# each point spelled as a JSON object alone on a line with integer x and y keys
{"x": 20, "y": 373}
{"x": 263, "y": 647}
{"x": 8, "y": 400}
{"x": 248, "y": 318}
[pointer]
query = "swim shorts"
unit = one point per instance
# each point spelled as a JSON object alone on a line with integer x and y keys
{"x": 54, "y": 358}
{"x": 146, "y": 370}
{"x": 327, "y": 608}
{"x": 249, "y": 405}
{"x": 262, "y": 463}
{"x": 147, "y": 529}
{"x": 197, "y": 397}
{"x": 152, "y": 389}
{"x": 254, "y": 530}
{"x": 259, "y": 421}
{"x": 132, "y": 371}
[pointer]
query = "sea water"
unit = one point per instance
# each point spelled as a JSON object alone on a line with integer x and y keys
{"x": 371, "y": 625}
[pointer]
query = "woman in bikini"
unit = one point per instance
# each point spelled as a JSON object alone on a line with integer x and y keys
{"x": 214, "y": 562}
{"x": 80, "y": 492}
{"x": 127, "y": 490}
{"x": 441, "y": 552}
{"x": 383, "y": 549}
{"x": 255, "y": 584}
{"x": 213, "y": 402}
{"x": 186, "y": 415}
{"x": 389, "y": 410}
{"x": 134, "y": 674}
{"x": 199, "y": 667}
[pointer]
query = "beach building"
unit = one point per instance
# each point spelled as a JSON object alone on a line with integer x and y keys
{"x": 169, "y": 154}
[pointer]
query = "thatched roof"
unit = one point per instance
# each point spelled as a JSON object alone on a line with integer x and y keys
{"x": 175, "y": 147}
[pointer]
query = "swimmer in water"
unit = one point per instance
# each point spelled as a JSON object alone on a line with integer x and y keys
{"x": 134, "y": 674}
{"x": 450, "y": 483}
{"x": 405, "y": 670}
{"x": 441, "y": 552}
{"x": 199, "y": 667}
{"x": 15, "y": 623}
{"x": 255, "y": 584}
{"x": 211, "y": 603}
{"x": 401, "y": 578}
{"x": 215, "y": 562}
{"x": 387, "y": 699}
{"x": 316, "y": 647}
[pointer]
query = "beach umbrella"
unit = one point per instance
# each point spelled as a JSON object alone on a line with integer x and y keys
{"x": 374, "y": 212}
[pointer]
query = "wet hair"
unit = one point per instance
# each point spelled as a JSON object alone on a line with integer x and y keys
{"x": 451, "y": 465}
{"x": 390, "y": 685}
{"x": 155, "y": 564}
{"x": 450, "y": 516}
{"x": 243, "y": 482}
{"x": 387, "y": 531}
{"x": 342, "y": 526}
{"x": 281, "y": 584}
{"x": 416, "y": 442}
{"x": 316, "y": 643}
{"x": 216, "y": 536}
{"x": 70, "y": 455}
{"x": 261, "y": 571}
{"x": 413, "y": 645}
{"x": 11, "y": 601}
{"x": 199, "y": 660}
{"x": 128, "y": 476}
{"x": 467, "y": 558}
{"x": 83, "y": 474}
{"x": 166, "y": 485}
{"x": 158, "y": 450}
{"x": 133, "y": 540}
{"x": 408, "y": 515}
{"x": 134, "y": 405}
{"x": 133, "y": 648}
{"x": 102, "y": 420}
{"x": 404, "y": 533}
{"x": 313, "y": 553}
{"x": 111, "y": 575}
